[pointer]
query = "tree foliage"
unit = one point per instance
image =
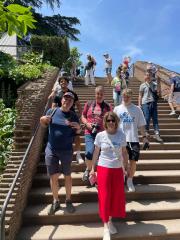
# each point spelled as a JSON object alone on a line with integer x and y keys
{"x": 55, "y": 49}
{"x": 57, "y": 25}
{"x": 15, "y": 18}
{"x": 38, "y": 3}
{"x": 7, "y": 124}
{"x": 74, "y": 59}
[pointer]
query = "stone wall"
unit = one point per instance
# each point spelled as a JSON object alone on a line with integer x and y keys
{"x": 32, "y": 98}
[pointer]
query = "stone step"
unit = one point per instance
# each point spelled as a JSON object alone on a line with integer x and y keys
{"x": 21, "y": 133}
{"x": 158, "y": 164}
{"x": 89, "y": 194}
{"x": 88, "y": 212}
{"x": 141, "y": 177}
{"x": 143, "y": 230}
{"x": 145, "y": 154}
{"x": 153, "y": 146}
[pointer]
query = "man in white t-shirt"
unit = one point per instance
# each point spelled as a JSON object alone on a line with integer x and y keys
{"x": 131, "y": 119}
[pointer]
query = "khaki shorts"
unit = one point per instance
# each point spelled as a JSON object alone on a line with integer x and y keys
{"x": 175, "y": 98}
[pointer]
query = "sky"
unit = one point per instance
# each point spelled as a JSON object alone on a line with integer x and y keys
{"x": 142, "y": 29}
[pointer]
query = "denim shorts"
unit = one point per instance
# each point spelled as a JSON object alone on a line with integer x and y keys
{"x": 133, "y": 149}
{"x": 108, "y": 70}
{"x": 58, "y": 161}
{"x": 89, "y": 146}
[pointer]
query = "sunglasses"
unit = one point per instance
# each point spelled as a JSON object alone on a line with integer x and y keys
{"x": 111, "y": 120}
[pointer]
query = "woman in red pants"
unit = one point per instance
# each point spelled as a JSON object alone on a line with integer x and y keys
{"x": 111, "y": 158}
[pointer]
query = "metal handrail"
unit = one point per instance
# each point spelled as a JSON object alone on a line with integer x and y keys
{"x": 6, "y": 202}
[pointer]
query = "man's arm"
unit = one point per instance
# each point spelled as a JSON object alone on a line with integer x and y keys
{"x": 140, "y": 99}
{"x": 45, "y": 120}
{"x": 144, "y": 137}
{"x": 125, "y": 158}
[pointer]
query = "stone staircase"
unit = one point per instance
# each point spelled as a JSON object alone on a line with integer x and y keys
{"x": 153, "y": 211}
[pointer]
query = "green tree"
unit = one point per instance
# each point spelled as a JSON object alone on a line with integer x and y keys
{"x": 38, "y": 3}
{"x": 56, "y": 25}
{"x": 15, "y": 19}
{"x": 73, "y": 60}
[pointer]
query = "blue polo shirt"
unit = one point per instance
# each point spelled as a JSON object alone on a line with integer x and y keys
{"x": 61, "y": 135}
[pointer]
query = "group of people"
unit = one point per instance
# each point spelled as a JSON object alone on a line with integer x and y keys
{"x": 123, "y": 69}
{"x": 112, "y": 146}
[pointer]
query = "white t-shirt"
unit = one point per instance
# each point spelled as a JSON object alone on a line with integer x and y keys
{"x": 108, "y": 62}
{"x": 131, "y": 118}
{"x": 108, "y": 157}
{"x": 57, "y": 87}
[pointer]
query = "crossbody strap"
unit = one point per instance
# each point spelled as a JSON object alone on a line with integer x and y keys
{"x": 114, "y": 150}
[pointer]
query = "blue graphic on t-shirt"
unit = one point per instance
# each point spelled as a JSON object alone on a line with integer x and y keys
{"x": 126, "y": 118}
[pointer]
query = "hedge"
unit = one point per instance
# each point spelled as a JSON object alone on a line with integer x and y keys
{"x": 55, "y": 49}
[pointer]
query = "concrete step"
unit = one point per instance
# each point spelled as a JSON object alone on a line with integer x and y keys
{"x": 146, "y": 154}
{"x": 89, "y": 194}
{"x": 21, "y": 133}
{"x": 153, "y": 146}
{"x": 88, "y": 212}
{"x": 141, "y": 177}
{"x": 158, "y": 164}
{"x": 144, "y": 230}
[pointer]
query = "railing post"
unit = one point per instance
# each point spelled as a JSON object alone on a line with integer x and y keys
{"x": 2, "y": 227}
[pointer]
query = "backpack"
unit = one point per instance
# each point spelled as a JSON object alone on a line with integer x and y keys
{"x": 89, "y": 65}
{"x": 104, "y": 105}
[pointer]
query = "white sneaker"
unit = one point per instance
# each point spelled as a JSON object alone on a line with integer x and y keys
{"x": 79, "y": 159}
{"x": 112, "y": 228}
{"x": 172, "y": 113}
{"x": 179, "y": 117}
{"x": 107, "y": 235}
{"x": 130, "y": 185}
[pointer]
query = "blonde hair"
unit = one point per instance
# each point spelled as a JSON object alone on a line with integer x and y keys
{"x": 99, "y": 89}
{"x": 113, "y": 116}
{"x": 127, "y": 92}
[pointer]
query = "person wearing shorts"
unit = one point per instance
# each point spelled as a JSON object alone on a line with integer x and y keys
{"x": 174, "y": 96}
{"x": 131, "y": 119}
{"x": 63, "y": 125}
{"x": 57, "y": 95}
{"x": 92, "y": 118}
{"x": 108, "y": 67}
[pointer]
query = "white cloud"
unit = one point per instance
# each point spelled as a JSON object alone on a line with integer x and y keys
{"x": 132, "y": 51}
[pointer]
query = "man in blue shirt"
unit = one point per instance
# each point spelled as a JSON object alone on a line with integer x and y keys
{"x": 174, "y": 96}
{"x": 63, "y": 126}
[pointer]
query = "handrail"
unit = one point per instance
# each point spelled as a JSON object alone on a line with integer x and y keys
{"x": 6, "y": 202}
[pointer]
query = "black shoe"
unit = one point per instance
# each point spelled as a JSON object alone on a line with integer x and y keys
{"x": 69, "y": 206}
{"x": 85, "y": 177}
{"x": 54, "y": 207}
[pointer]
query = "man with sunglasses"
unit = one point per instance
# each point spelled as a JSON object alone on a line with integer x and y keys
{"x": 131, "y": 119}
{"x": 63, "y": 125}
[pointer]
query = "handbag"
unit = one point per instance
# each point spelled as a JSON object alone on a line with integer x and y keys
{"x": 118, "y": 87}
{"x": 154, "y": 94}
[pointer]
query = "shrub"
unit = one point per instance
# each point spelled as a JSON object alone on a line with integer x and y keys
{"x": 7, "y": 124}
{"x": 6, "y": 62}
{"x": 55, "y": 49}
{"x": 23, "y": 73}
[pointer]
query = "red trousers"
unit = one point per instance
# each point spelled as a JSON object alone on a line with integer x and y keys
{"x": 111, "y": 193}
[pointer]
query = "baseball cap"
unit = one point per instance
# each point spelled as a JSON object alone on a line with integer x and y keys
{"x": 69, "y": 94}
